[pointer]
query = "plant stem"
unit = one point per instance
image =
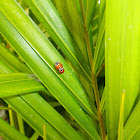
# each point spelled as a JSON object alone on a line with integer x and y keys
{"x": 21, "y": 124}
{"x": 11, "y": 116}
{"x": 94, "y": 78}
{"x": 96, "y": 93}
{"x": 4, "y": 108}
{"x": 86, "y": 33}
{"x": 44, "y": 132}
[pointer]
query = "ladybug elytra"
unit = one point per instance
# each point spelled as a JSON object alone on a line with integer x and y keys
{"x": 59, "y": 67}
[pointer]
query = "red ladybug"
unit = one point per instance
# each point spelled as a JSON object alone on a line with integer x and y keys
{"x": 59, "y": 67}
{"x": 61, "y": 70}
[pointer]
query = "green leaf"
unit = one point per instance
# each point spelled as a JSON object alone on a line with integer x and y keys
{"x": 132, "y": 126}
{"x": 17, "y": 84}
{"x": 102, "y": 103}
{"x": 34, "y": 136}
{"x": 48, "y": 75}
{"x": 13, "y": 61}
{"x": 137, "y": 135}
{"x": 49, "y": 17}
{"x": 45, "y": 51}
{"x": 32, "y": 117}
{"x": 101, "y": 11}
{"x": 121, "y": 118}
{"x": 90, "y": 10}
{"x": 1, "y": 39}
{"x": 91, "y": 40}
{"x": 39, "y": 104}
{"x": 22, "y": 108}
{"x": 99, "y": 49}
{"x": 10, "y": 132}
{"x": 4, "y": 67}
{"x": 69, "y": 11}
{"x": 121, "y": 59}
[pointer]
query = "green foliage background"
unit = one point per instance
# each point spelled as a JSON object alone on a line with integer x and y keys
{"x": 97, "y": 96}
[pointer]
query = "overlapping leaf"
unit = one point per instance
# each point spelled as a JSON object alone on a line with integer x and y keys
{"x": 39, "y": 105}
{"x": 49, "y": 17}
{"x": 46, "y": 51}
{"x": 32, "y": 117}
{"x": 90, "y": 10}
{"x": 45, "y": 69}
{"x": 121, "y": 59}
{"x": 12, "y": 61}
{"x": 18, "y": 84}
{"x": 69, "y": 12}
{"x": 99, "y": 49}
{"x": 9, "y": 132}
{"x": 132, "y": 127}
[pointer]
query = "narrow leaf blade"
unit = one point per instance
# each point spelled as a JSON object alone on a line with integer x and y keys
{"x": 44, "y": 72}
{"x": 39, "y": 104}
{"x": 10, "y": 132}
{"x": 121, "y": 118}
{"x": 132, "y": 126}
{"x": 13, "y": 61}
{"x": 121, "y": 59}
{"x": 46, "y": 52}
{"x": 49, "y": 17}
{"x": 18, "y": 84}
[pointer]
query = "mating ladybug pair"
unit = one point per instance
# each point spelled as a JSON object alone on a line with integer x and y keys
{"x": 59, "y": 67}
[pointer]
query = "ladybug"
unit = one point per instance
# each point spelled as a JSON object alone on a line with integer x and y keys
{"x": 61, "y": 70}
{"x": 59, "y": 67}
